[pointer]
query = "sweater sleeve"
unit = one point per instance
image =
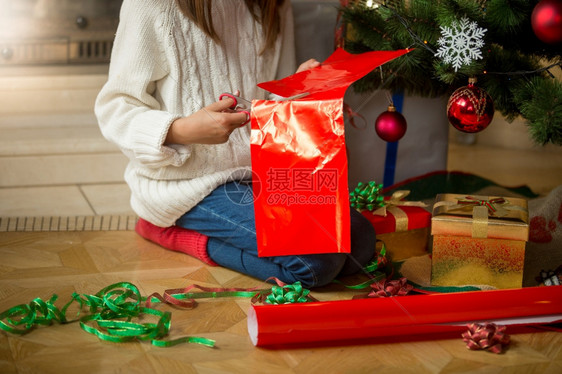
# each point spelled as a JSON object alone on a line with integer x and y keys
{"x": 126, "y": 108}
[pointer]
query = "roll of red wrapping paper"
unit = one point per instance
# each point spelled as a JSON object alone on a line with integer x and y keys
{"x": 399, "y": 316}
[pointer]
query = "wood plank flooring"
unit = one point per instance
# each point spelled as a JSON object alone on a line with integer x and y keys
{"x": 40, "y": 264}
{"x": 68, "y": 223}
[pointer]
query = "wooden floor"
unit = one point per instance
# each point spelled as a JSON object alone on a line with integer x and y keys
{"x": 57, "y": 173}
{"x": 40, "y": 264}
{"x": 39, "y": 258}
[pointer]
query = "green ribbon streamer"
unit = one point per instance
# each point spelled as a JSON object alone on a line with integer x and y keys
{"x": 366, "y": 196}
{"x": 280, "y": 294}
{"x": 363, "y": 285}
{"x": 207, "y": 295}
{"x": 377, "y": 263}
{"x": 110, "y": 318}
{"x": 444, "y": 289}
{"x": 111, "y": 311}
{"x": 187, "y": 339}
{"x": 373, "y": 269}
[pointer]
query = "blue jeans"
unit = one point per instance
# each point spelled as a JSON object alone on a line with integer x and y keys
{"x": 226, "y": 216}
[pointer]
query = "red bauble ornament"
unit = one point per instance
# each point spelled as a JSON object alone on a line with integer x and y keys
{"x": 391, "y": 125}
{"x": 470, "y": 108}
{"x": 546, "y": 21}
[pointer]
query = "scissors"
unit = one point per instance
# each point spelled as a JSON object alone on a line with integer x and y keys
{"x": 244, "y": 106}
{"x": 240, "y": 105}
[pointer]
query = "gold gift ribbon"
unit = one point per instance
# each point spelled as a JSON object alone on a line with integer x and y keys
{"x": 480, "y": 214}
{"x": 500, "y": 209}
{"x": 480, "y": 222}
{"x": 479, "y": 217}
{"x": 392, "y": 206}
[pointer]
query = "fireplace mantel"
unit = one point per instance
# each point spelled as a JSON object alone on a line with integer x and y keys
{"x": 46, "y": 32}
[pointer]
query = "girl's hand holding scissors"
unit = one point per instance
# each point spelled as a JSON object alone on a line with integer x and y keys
{"x": 211, "y": 125}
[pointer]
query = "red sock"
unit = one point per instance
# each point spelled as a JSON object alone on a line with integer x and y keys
{"x": 176, "y": 239}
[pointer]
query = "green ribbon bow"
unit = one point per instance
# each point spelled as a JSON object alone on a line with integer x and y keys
{"x": 366, "y": 196}
{"x": 288, "y": 294}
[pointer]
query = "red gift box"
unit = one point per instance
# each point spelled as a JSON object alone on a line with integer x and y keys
{"x": 402, "y": 225}
{"x": 398, "y": 215}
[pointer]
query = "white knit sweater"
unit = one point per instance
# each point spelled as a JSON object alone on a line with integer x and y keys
{"x": 162, "y": 68}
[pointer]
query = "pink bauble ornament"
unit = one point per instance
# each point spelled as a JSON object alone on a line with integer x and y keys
{"x": 390, "y": 125}
{"x": 546, "y": 21}
{"x": 470, "y": 109}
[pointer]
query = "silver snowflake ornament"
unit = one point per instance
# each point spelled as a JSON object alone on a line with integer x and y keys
{"x": 460, "y": 44}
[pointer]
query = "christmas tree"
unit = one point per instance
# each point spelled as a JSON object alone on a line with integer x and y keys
{"x": 494, "y": 41}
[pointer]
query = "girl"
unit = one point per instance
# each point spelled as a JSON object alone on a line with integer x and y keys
{"x": 188, "y": 152}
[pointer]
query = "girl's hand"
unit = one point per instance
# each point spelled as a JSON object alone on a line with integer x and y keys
{"x": 310, "y": 64}
{"x": 210, "y": 125}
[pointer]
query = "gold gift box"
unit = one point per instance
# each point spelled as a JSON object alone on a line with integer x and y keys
{"x": 478, "y": 240}
{"x": 402, "y": 245}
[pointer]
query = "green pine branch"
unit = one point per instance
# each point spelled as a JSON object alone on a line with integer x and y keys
{"x": 510, "y": 70}
{"x": 540, "y": 103}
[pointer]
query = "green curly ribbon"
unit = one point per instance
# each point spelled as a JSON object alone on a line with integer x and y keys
{"x": 111, "y": 312}
{"x": 366, "y": 196}
{"x": 379, "y": 262}
{"x": 113, "y": 309}
{"x": 288, "y": 294}
{"x": 363, "y": 285}
{"x": 373, "y": 269}
{"x": 23, "y": 318}
{"x": 184, "y": 298}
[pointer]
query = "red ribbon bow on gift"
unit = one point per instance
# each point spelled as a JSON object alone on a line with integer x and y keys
{"x": 386, "y": 288}
{"x": 487, "y": 336}
{"x": 469, "y": 200}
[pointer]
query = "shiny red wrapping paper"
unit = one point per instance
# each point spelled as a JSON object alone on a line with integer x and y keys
{"x": 299, "y": 162}
{"x": 302, "y": 206}
{"x": 406, "y": 316}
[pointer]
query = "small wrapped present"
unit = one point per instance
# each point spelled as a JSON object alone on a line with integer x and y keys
{"x": 402, "y": 225}
{"x": 478, "y": 240}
